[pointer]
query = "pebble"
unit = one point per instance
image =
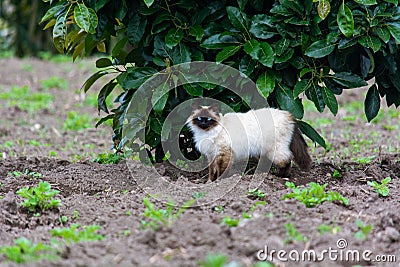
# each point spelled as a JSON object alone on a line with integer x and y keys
{"x": 392, "y": 233}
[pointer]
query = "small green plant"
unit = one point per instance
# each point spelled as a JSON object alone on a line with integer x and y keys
{"x": 77, "y": 122}
{"x": 314, "y": 194}
{"x": 363, "y": 231}
{"x": 256, "y": 194}
{"x": 219, "y": 208}
{"x": 72, "y": 234}
{"x": 292, "y": 234}
{"x": 108, "y": 158}
{"x": 52, "y": 153}
{"x": 324, "y": 228}
{"x": 17, "y": 174}
{"x": 230, "y": 221}
{"x": 39, "y": 198}
{"x": 23, "y": 98}
{"x": 54, "y": 82}
{"x": 75, "y": 215}
{"x": 336, "y": 174}
{"x": 215, "y": 260}
{"x": 155, "y": 218}
{"x": 183, "y": 165}
{"x": 381, "y": 188}
{"x": 63, "y": 219}
{"x": 364, "y": 160}
{"x": 25, "y": 251}
{"x": 199, "y": 195}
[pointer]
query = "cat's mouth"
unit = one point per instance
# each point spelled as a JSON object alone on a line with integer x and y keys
{"x": 204, "y": 122}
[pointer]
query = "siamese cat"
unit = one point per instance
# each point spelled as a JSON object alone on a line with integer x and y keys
{"x": 267, "y": 134}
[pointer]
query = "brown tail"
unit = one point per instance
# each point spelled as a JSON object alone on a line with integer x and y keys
{"x": 299, "y": 149}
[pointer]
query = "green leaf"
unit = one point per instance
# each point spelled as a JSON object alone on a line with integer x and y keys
{"x": 384, "y": 34}
{"x": 247, "y": 65}
{"x": 227, "y": 52}
{"x": 135, "y": 77}
{"x": 173, "y": 37}
{"x": 93, "y": 21}
{"x": 349, "y": 79}
{"x": 324, "y": 7}
{"x": 148, "y": 2}
{"x": 136, "y": 28}
{"x": 396, "y": 2}
{"x": 82, "y": 17}
{"x": 366, "y": 2}
{"x": 316, "y": 97}
{"x": 284, "y": 96}
{"x": 197, "y": 31}
{"x": 261, "y": 27}
{"x": 238, "y": 19}
{"x": 330, "y": 100}
{"x": 394, "y": 29}
{"x": 160, "y": 97}
{"x": 262, "y": 52}
{"x": 52, "y": 12}
{"x": 301, "y": 86}
{"x": 60, "y": 32}
{"x": 266, "y": 83}
{"x": 372, "y": 42}
{"x": 319, "y": 49}
{"x": 193, "y": 89}
{"x": 103, "y": 62}
{"x": 92, "y": 79}
{"x": 345, "y": 20}
{"x": 103, "y": 94}
{"x": 218, "y": 41}
{"x": 180, "y": 54}
{"x": 306, "y": 129}
{"x": 372, "y": 102}
{"x": 281, "y": 46}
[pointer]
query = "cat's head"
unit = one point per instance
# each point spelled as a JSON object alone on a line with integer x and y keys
{"x": 204, "y": 117}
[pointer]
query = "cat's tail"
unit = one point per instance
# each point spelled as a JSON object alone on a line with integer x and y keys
{"x": 298, "y": 146}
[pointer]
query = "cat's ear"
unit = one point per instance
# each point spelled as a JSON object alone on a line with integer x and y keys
{"x": 214, "y": 108}
{"x": 196, "y": 105}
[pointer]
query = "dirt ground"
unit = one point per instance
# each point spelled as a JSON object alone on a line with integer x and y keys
{"x": 111, "y": 195}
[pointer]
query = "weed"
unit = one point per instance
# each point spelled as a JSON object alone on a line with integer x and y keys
{"x": 159, "y": 217}
{"x": 364, "y": 160}
{"x": 198, "y": 195}
{"x": 39, "y": 198}
{"x": 336, "y": 174}
{"x": 128, "y": 213}
{"x": 17, "y": 174}
{"x": 54, "y": 82}
{"x": 230, "y": 221}
{"x": 75, "y": 215}
{"x": 314, "y": 194}
{"x": 127, "y": 232}
{"x": 73, "y": 235}
{"x": 76, "y": 122}
{"x": 63, "y": 219}
{"x": 363, "y": 231}
{"x": 108, "y": 158}
{"x": 52, "y": 153}
{"x": 256, "y": 194}
{"x": 292, "y": 234}
{"x": 25, "y": 251}
{"x": 181, "y": 164}
{"x": 323, "y": 228}
{"x": 219, "y": 208}
{"x": 26, "y": 100}
{"x": 381, "y": 188}
{"x": 216, "y": 260}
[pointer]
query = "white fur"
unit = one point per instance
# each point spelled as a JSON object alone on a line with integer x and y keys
{"x": 264, "y": 132}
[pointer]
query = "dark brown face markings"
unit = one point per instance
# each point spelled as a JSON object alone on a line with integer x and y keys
{"x": 204, "y": 118}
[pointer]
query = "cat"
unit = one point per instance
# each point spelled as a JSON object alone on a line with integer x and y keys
{"x": 267, "y": 134}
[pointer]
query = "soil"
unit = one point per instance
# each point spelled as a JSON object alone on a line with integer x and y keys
{"x": 111, "y": 195}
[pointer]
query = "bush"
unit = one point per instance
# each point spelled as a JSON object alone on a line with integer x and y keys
{"x": 291, "y": 49}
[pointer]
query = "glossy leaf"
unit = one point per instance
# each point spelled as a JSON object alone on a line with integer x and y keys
{"x": 136, "y": 28}
{"x": 345, "y": 20}
{"x": 330, "y": 100}
{"x": 197, "y": 31}
{"x": 92, "y": 79}
{"x": 319, "y": 49}
{"x": 316, "y": 97}
{"x": 227, "y": 52}
{"x": 372, "y": 42}
{"x": 82, "y": 17}
{"x": 366, "y": 2}
{"x": 262, "y": 52}
{"x": 349, "y": 80}
{"x": 218, "y": 41}
{"x": 52, "y": 12}
{"x": 103, "y": 62}
{"x": 173, "y": 37}
{"x": 238, "y": 19}
{"x": 301, "y": 86}
{"x": 266, "y": 83}
{"x": 306, "y": 129}
{"x": 60, "y": 32}
{"x": 384, "y": 34}
{"x": 103, "y": 94}
{"x": 394, "y": 29}
{"x": 372, "y": 102}
{"x": 148, "y": 2}
{"x": 324, "y": 7}
{"x": 284, "y": 96}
